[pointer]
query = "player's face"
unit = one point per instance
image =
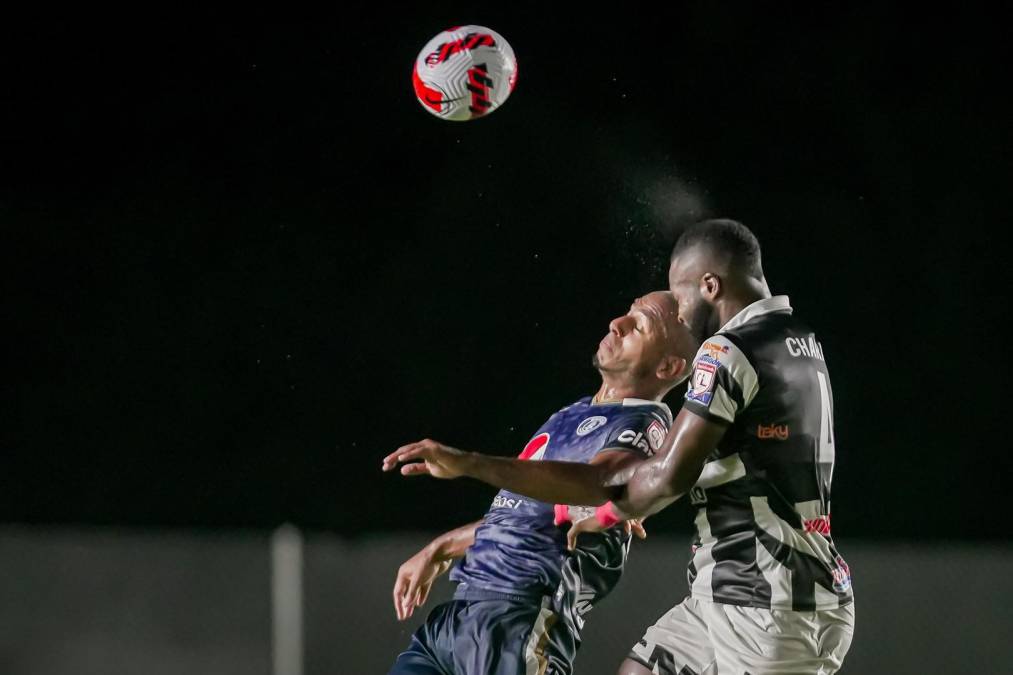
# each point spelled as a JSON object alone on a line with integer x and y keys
{"x": 694, "y": 312}
{"x": 636, "y": 341}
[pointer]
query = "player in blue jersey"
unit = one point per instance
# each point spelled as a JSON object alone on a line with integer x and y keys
{"x": 521, "y": 592}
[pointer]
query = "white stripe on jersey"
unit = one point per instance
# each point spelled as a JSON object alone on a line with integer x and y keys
{"x": 703, "y": 559}
{"x": 534, "y": 651}
{"x": 807, "y": 542}
{"x": 777, "y": 575}
{"x": 723, "y": 405}
{"x": 721, "y": 471}
{"x": 810, "y": 510}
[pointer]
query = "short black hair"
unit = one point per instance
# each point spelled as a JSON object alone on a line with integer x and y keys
{"x": 724, "y": 237}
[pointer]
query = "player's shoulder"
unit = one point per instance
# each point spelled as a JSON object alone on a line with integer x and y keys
{"x": 723, "y": 350}
{"x": 722, "y": 361}
{"x": 568, "y": 413}
{"x": 767, "y": 326}
{"x": 638, "y": 424}
{"x": 582, "y": 402}
{"x": 638, "y": 408}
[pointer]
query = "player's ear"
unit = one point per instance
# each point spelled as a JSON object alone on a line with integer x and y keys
{"x": 710, "y": 286}
{"x": 671, "y": 368}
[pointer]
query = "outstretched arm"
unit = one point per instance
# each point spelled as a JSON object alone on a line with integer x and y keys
{"x": 548, "y": 481}
{"x": 416, "y": 576}
{"x": 674, "y": 470}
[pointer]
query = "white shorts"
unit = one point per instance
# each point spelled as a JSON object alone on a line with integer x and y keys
{"x": 708, "y": 638}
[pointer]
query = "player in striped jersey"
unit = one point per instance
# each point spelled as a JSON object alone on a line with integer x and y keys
{"x": 754, "y": 448}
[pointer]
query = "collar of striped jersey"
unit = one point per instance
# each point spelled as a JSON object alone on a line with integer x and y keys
{"x": 778, "y": 303}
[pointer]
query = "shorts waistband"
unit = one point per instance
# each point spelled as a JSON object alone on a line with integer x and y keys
{"x": 464, "y": 593}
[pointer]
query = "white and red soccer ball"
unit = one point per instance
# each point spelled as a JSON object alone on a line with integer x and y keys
{"x": 464, "y": 73}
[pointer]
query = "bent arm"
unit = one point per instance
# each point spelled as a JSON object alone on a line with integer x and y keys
{"x": 672, "y": 472}
{"x": 573, "y": 483}
{"x": 453, "y": 544}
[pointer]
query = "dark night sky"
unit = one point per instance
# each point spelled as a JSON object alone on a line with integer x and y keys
{"x": 243, "y": 264}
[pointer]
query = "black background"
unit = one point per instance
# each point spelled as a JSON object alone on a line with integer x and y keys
{"x": 243, "y": 263}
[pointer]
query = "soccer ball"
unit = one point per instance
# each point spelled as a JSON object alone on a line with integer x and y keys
{"x": 465, "y": 72}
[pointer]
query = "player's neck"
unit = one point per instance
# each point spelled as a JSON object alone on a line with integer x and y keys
{"x": 615, "y": 392}
{"x": 752, "y": 291}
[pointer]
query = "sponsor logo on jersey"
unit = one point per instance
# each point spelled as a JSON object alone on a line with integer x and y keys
{"x": 635, "y": 439}
{"x": 820, "y": 525}
{"x": 501, "y": 502}
{"x": 590, "y": 424}
{"x": 842, "y": 575}
{"x": 772, "y": 431}
{"x": 702, "y": 385}
{"x": 535, "y": 449}
{"x": 656, "y": 435}
{"x": 714, "y": 349}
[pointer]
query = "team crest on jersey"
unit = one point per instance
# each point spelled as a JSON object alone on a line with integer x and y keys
{"x": 590, "y": 424}
{"x": 656, "y": 435}
{"x": 702, "y": 385}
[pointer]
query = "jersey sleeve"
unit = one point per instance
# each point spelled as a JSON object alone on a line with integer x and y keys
{"x": 723, "y": 382}
{"x": 642, "y": 432}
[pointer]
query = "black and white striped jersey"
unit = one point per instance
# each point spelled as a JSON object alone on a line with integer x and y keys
{"x": 763, "y": 523}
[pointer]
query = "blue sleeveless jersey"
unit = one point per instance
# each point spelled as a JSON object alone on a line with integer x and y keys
{"x": 519, "y": 551}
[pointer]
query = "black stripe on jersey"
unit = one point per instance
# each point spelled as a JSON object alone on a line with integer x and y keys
{"x": 661, "y": 660}
{"x": 691, "y": 568}
{"x": 737, "y": 341}
{"x": 735, "y": 578}
{"x": 589, "y": 574}
{"x": 781, "y": 508}
{"x": 731, "y": 387}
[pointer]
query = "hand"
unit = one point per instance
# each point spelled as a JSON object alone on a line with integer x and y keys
{"x": 591, "y": 524}
{"x": 427, "y": 457}
{"x": 414, "y": 580}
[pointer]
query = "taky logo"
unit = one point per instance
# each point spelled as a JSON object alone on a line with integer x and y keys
{"x": 773, "y": 431}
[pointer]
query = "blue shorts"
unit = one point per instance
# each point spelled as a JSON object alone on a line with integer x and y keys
{"x": 493, "y": 635}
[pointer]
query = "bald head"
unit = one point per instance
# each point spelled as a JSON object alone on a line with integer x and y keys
{"x": 677, "y": 340}
{"x": 647, "y": 350}
{"x": 663, "y": 305}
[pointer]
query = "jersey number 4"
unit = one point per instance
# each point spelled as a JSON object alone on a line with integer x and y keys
{"x": 825, "y": 455}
